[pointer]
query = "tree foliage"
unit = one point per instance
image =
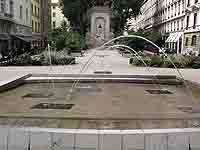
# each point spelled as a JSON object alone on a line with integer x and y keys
{"x": 153, "y": 36}
{"x": 76, "y": 12}
{"x": 61, "y": 39}
{"x": 122, "y": 11}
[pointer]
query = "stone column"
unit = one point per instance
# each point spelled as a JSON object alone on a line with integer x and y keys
{"x": 100, "y": 25}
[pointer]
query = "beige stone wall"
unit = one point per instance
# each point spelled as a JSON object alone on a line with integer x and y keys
{"x": 190, "y": 47}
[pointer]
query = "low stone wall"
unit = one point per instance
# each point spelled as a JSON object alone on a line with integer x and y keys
{"x": 13, "y": 138}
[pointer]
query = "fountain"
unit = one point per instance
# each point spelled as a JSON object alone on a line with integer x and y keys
{"x": 100, "y": 110}
{"x": 101, "y": 101}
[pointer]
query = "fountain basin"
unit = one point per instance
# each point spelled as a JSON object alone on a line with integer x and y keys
{"x": 99, "y": 101}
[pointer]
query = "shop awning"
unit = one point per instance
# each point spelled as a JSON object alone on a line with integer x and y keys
{"x": 27, "y": 39}
{"x": 174, "y": 37}
{"x": 178, "y": 36}
{"x": 170, "y": 38}
{"x": 4, "y": 36}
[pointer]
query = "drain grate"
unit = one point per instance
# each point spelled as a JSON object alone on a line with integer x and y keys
{"x": 102, "y": 72}
{"x": 159, "y": 92}
{"x": 52, "y": 106}
{"x": 38, "y": 95}
{"x": 189, "y": 109}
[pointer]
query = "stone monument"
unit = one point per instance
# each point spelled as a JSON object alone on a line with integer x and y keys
{"x": 100, "y": 25}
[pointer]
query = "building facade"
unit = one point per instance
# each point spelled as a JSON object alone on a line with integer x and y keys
{"x": 15, "y": 25}
{"x": 192, "y": 30}
{"x": 45, "y": 20}
{"x": 7, "y": 25}
{"x": 170, "y": 18}
{"x": 36, "y": 22}
{"x": 41, "y": 22}
{"x": 57, "y": 17}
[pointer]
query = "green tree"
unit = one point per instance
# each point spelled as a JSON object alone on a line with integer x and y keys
{"x": 152, "y": 35}
{"x": 122, "y": 11}
{"x": 76, "y": 12}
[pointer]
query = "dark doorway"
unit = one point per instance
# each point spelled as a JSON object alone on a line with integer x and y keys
{"x": 180, "y": 46}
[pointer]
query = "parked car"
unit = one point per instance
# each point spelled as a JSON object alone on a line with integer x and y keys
{"x": 137, "y": 45}
{"x": 141, "y": 45}
{"x": 150, "y": 48}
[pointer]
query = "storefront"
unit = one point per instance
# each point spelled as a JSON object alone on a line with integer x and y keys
{"x": 5, "y": 44}
{"x": 37, "y": 40}
{"x": 21, "y": 43}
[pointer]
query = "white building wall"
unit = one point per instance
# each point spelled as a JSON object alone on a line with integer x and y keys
{"x": 11, "y": 11}
{"x": 59, "y": 16}
{"x": 23, "y": 24}
{"x": 192, "y": 30}
{"x": 166, "y": 16}
{"x": 26, "y": 4}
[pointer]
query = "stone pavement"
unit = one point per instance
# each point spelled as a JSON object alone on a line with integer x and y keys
{"x": 100, "y": 60}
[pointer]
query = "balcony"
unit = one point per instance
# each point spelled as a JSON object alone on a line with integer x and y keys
{"x": 7, "y": 17}
{"x": 193, "y": 28}
{"x": 188, "y": 10}
{"x": 195, "y": 7}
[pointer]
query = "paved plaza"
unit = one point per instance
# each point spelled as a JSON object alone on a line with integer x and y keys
{"x": 162, "y": 108}
{"x": 98, "y": 61}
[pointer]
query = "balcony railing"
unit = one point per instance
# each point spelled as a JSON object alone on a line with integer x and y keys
{"x": 6, "y": 16}
{"x": 196, "y": 27}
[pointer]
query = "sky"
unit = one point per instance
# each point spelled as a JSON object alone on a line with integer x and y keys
{"x": 54, "y": 1}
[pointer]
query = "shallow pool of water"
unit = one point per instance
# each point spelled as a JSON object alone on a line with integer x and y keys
{"x": 99, "y": 105}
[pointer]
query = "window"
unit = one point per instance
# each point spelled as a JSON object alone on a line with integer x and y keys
{"x": 54, "y": 24}
{"x": 27, "y": 14}
{"x": 175, "y": 6}
{"x": 2, "y": 6}
{"x": 168, "y": 12}
{"x": 186, "y": 41}
{"x": 35, "y": 11}
{"x": 11, "y": 8}
{"x": 187, "y": 22}
{"x": 21, "y": 13}
{"x": 171, "y": 26}
{"x": 194, "y": 40}
{"x": 35, "y": 26}
{"x": 38, "y": 12}
{"x": 32, "y": 8}
{"x": 179, "y": 7}
{"x": 172, "y": 11}
{"x": 174, "y": 25}
{"x": 188, "y": 3}
{"x": 195, "y": 20}
{"x": 54, "y": 7}
{"x": 38, "y": 27}
{"x": 177, "y": 25}
{"x": 196, "y": 1}
{"x": 182, "y": 24}
{"x": 183, "y": 6}
{"x": 32, "y": 26}
{"x": 54, "y": 14}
